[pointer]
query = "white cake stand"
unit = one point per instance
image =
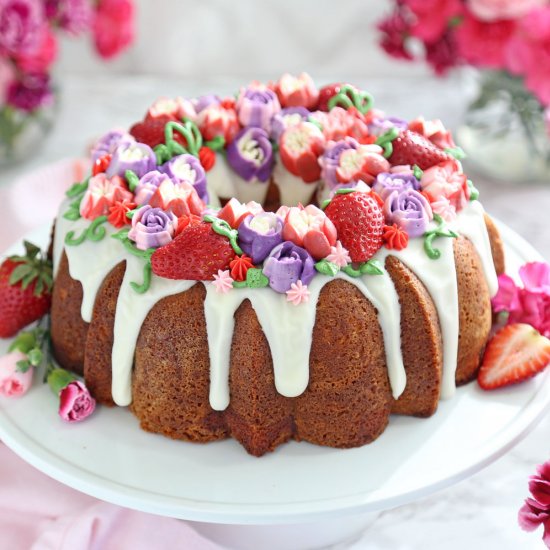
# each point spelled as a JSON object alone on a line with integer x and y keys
{"x": 300, "y": 496}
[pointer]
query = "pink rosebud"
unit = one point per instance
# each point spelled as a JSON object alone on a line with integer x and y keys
{"x": 163, "y": 106}
{"x": 363, "y": 163}
{"x": 234, "y": 212}
{"x": 434, "y": 131}
{"x": 309, "y": 228}
{"x": 446, "y": 180}
{"x": 181, "y": 198}
{"x": 218, "y": 119}
{"x": 14, "y": 383}
{"x": 339, "y": 123}
{"x": 113, "y": 27}
{"x": 102, "y": 193}
{"x": 297, "y": 91}
{"x": 75, "y": 402}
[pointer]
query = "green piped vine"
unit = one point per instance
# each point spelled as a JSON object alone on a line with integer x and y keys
{"x": 440, "y": 231}
{"x": 386, "y": 139}
{"x": 221, "y": 227}
{"x": 348, "y": 96}
{"x": 94, "y": 232}
{"x": 190, "y": 132}
{"x": 76, "y": 192}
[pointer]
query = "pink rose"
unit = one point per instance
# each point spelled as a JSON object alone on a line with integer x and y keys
{"x": 446, "y": 180}
{"x": 14, "y": 383}
{"x": 482, "y": 43}
{"x": 20, "y": 24}
{"x": 528, "y": 53}
{"x": 432, "y": 17}
{"x": 491, "y": 10}
{"x": 113, "y": 27}
{"x": 75, "y": 402}
{"x": 536, "y": 510}
{"x": 45, "y": 54}
{"x": 102, "y": 193}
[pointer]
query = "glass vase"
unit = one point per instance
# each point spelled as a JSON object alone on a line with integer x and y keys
{"x": 504, "y": 133}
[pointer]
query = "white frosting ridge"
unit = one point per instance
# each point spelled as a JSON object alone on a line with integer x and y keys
{"x": 293, "y": 190}
{"x": 219, "y": 181}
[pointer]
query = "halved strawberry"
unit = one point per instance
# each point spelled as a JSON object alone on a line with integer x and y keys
{"x": 412, "y": 148}
{"x": 151, "y": 131}
{"x": 515, "y": 353}
{"x": 195, "y": 255}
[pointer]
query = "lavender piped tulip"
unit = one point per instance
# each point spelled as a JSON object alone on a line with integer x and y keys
{"x": 260, "y": 234}
{"x": 108, "y": 143}
{"x": 147, "y": 186}
{"x": 250, "y": 154}
{"x": 138, "y": 157}
{"x": 287, "y": 264}
{"x": 287, "y": 117}
{"x": 256, "y": 106}
{"x": 152, "y": 227}
{"x": 410, "y": 210}
{"x": 187, "y": 168}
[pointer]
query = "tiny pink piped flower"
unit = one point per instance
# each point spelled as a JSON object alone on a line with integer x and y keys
{"x": 223, "y": 282}
{"x": 298, "y": 293}
{"x": 339, "y": 255}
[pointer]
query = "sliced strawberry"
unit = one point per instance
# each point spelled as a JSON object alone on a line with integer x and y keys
{"x": 195, "y": 255}
{"x": 412, "y": 148}
{"x": 151, "y": 131}
{"x": 359, "y": 222}
{"x": 515, "y": 353}
{"x": 25, "y": 290}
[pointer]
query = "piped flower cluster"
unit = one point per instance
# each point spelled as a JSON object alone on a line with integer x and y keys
{"x": 384, "y": 181}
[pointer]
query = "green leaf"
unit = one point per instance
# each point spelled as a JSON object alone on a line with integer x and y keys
{"x": 72, "y": 215}
{"x": 371, "y": 267}
{"x": 21, "y": 271}
{"x": 77, "y": 189}
{"x": 327, "y": 268}
{"x": 28, "y": 279}
{"x": 35, "y": 357}
{"x": 474, "y": 193}
{"x": 23, "y": 365}
{"x": 24, "y": 342}
{"x": 59, "y": 379}
{"x": 132, "y": 179}
{"x": 417, "y": 172}
{"x": 456, "y": 152}
{"x": 31, "y": 249}
{"x": 256, "y": 279}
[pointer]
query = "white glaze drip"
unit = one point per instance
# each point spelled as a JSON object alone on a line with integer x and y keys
{"x": 293, "y": 190}
{"x": 219, "y": 181}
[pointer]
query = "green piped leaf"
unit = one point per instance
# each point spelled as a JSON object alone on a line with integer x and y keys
{"x": 371, "y": 267}
{"x": 327, "y": 268}
{"x": 132, "y": 179}
{"x": 474, "y": 193}
{"x": 77, "y": 189}
{"x": 255, "y": 278}
{"x": 418, "y": 172}
{"x": 216, "y": 144}
{"x": 456, "y": 152}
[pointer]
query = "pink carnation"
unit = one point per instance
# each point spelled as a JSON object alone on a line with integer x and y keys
{"x": 491, "y": 10}
{"x": 432, "y": 17}
{"x": 528, "y": 304}
{"x": 75, "y": 402}
{"x": 14, "y": 383}
{"x": 482, "y": 43}
{"x": 102, "y": 193}
{"x": 113, "y": 27}
{"x": 40, "y": 59}
{"x": 20, "y": 24}
{"x": 446, "y": 180}
{"x": 536, "y": 510}
{"x": 528, "y": 53}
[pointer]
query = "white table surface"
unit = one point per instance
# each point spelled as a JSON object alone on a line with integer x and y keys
{"x": 480, "y": 512}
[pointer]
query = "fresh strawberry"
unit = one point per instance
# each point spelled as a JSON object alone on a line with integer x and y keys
{"x": 25, "y": 290}
{"x": 515, "y": 353}
{"x": 326, "y": 93}
{"x": 359, "y": 222}
{"x": 151, "y": 131}
{"x": 412, "y": 148}
{"x": 195, "y": 255}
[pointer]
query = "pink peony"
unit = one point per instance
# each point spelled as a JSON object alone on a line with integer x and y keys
{"x": 432, "y": 17}
{"x": 102, "y": 193}
{"x": 528, "y": 304}
{"x": 39, "y": 61}
{"x": 75, "y": 402}
{"x": 113, "y": 27}
{"x": 20, "y": 24}
{"x": 14, "y": 383}
{"x": 446, "y": 180}
{"x": 536, "y": 510}
{"x": 528, "y": 53}
{"x": 484, "y": 44}
{"x": 491, "y": 10}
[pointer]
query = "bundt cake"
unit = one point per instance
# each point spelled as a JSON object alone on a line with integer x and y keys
{"x": 287, "y": 264}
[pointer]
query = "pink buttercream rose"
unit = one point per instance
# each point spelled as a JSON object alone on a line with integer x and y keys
{"x": 528, "y": 53}
{"x": 75, "y": 402}
{"x": 491, "y": 10}
{"x": 432, "y": 17}
{"x": 528, "y": 304}
{"x": 14, "y": 383}
{"x": 113, "y": 27}
{"x": 482, "y": 43}
{"x": 536, "y": 510}
{"x": 102, "y": 193}
{"x": 446, "y": 180}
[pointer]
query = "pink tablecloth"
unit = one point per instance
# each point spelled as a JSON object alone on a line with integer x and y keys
{"x": 39, "y": 513}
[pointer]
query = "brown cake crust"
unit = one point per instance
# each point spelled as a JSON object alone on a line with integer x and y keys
{"x": 68, "y": 330}
{"x": 171, "y": 378}
{"x": 99, "y": 342}
{"x": 420, "y": 343}
{"x": 497, "y": 248}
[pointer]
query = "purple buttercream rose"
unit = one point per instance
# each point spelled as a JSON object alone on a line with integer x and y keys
{"x": 32, "y": 92}
{"x": 20, "y": 25}
{"x": 147, "y": 186}
{"x": 386, "y": 183}
{"x": 381, "y": 125}
{"x": 260, "y": 234}
{"x": 330, "y": 159}
{"x": 287, "y": 264}
{"x": 204, "y": 101}
{"x": 187, "y": 168}
{"x": 108, "y": 143}
{"x": 138, "y": 157}
{"x": 152, "y": 227}
{"x": 410, "y": 210}
{"x": 256, "y": 106}
{"x": 290, "y": 116}
{"x": 250, "y": 154}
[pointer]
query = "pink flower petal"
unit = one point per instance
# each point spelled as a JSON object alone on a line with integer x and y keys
{"x": 536, "y": 276}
